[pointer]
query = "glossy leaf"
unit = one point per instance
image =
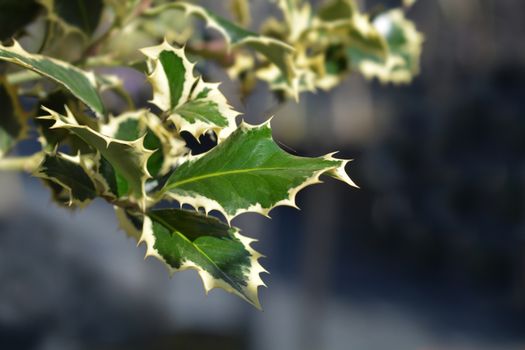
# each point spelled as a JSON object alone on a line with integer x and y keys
{"x": 167, "y": 147}
{"x": 276, "y": 51}
{"x": 69, "y": 173}
{"x": 128, "y": 158}
{"x": 191, "y": 104}
{"x": 247, "y": 172}
{"x": 79, "y": 83}
{"x": 221, "y": 255}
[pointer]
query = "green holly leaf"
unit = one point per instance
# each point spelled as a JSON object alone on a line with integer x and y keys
{"x": 247, "y": 172}
{"x": 127, "y": 158}
{"x": 276, "y": 51}
{"x": 79, "y": 83}
{"x": 191, "y": 104}
{"x": 13, "y": 120}
{"x": 71, "y": 176}
{"x": 223, "y": 258}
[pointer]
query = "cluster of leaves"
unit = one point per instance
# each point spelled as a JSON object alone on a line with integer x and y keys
{"x": 137, "y": 159}
{"x": 332, "y": 41}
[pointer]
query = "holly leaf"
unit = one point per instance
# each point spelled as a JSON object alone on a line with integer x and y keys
{"x": 247, "y": 172}
{"x": 223, "y": 258}
{"x": 142, "y": 123}
{"x": 275, "y": 51}
{"x": 297, "y": 17}
{"x": 128, "y": 158}
{"x": 322, "y": 41}
{"x": 80, "y": 83}
{"x": 13, "y": 120}
{"x": 404, "y": 45}
{"x": 71, "y": 175}
{"x": 191, "y": 104}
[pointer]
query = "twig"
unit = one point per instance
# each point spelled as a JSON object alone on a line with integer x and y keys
{"x": 28, "y": 164}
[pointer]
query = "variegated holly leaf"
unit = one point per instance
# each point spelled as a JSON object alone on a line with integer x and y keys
{"x": 297, "y": 18}
{"x": 247, "y": 172}
{"x": 79, "y": 83}
{"x": 127, "y": 158}
{"x": 71, "y": 175}
{"x": 142, "y": 123}
{"x": 223, "y": 258}
{"x": 191, "y": 104}
{"x": 346, "y": 33}
{"x": 339, "y": 38}
{"x": 321, "y": 41}
{"x": 13, "y": 120}
{"x": 404, "y": 45}
{"x": 276, "y": 51}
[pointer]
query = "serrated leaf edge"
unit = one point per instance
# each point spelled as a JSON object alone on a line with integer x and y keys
{"x": 18, "y": 49}
{"x": 158, "y": 79}
{"x": 77, "y": 159}
{"x": 208, "y": 204}
{"x": 137, "y": 144}
{"x": 385, "y": 73}
{"x": 199, "y": 128}
{"x": 161, "y": 94}
{"x": 250, "y": 292}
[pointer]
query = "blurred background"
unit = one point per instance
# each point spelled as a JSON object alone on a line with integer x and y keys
{"x": 427, "y": 255}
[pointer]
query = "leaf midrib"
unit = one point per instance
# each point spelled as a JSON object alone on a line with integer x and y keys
{"x": 225, "y": 276}
{"x": 222, "y": 173}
